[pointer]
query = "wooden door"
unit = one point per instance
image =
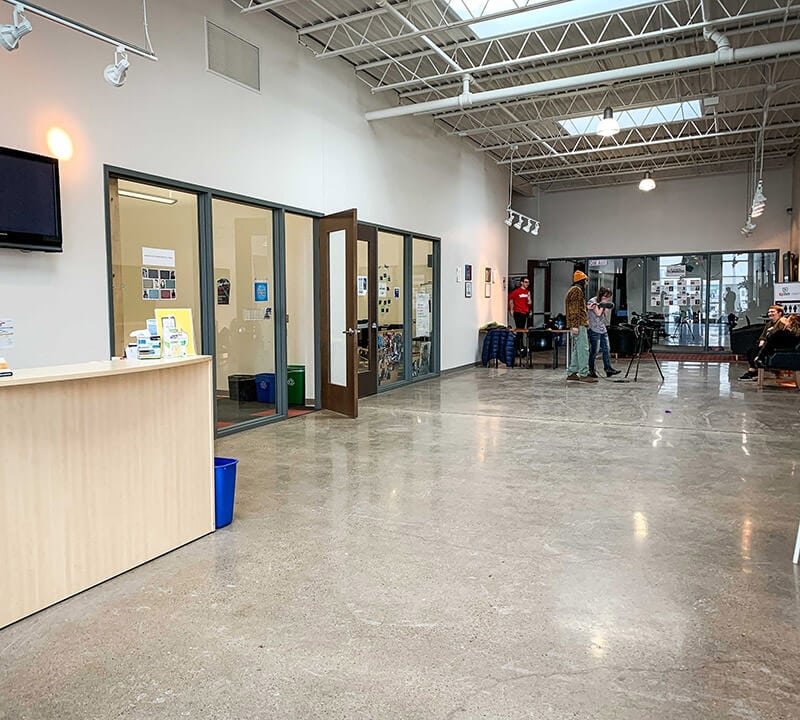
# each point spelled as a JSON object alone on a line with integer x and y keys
{"x": 338, "y": 322}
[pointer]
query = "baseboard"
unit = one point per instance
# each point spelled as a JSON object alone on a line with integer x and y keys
{"x": 461, "y": 368}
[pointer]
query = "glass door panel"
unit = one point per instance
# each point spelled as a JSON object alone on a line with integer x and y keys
{"x": 391, "y": 362}
{"x": 337, "y": 304}
{"x": 154, "y": 256}
{"x": 422, "y": 295}
{"x": 244, "y": 321}
{"x": 676, "y": 286}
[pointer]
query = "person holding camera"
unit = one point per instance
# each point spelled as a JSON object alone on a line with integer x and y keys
{"x": 578, "y": 322}
{"x": 598, "y": 333}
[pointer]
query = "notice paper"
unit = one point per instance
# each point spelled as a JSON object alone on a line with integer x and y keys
{"x": 6, "y": 333}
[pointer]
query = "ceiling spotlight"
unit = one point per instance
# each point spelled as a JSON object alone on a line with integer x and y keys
{"x": 528, "y": 227}
{"x": 518, "y": 224}
{"x": 759, "y": 201}
{"x": 115, "y": 74}
{"x": 535, "y": 230}
{"x": 509, "y": 219}
{"x": 646, "y": 184}
{"x": 608, "y": 126}
{"x": 10, "y": 34}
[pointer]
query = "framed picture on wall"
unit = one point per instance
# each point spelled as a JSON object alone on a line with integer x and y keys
{"x": 467, "y": 272}
{"x": 487, "y": 290}
{"x": 467, "y": 288}
{"x": 487, "y": 275}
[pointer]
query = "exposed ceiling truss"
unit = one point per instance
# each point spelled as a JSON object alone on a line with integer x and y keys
{"x": 431, "y": 57}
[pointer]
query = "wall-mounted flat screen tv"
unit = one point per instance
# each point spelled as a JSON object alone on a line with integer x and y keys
{"x": 30, "y": 202}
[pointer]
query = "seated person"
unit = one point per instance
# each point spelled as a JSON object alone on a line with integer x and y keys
{"x": 782, "y": 339}
{"x": 775, "y": 322}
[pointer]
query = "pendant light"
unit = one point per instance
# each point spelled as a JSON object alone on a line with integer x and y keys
{"x": 608, "y": 126}
{"x": 646, "y": 184}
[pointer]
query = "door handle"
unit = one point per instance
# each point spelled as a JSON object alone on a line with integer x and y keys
{"x": 349, "y": 331}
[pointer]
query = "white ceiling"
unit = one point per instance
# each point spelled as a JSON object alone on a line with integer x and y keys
{"x": 552, "y": 66}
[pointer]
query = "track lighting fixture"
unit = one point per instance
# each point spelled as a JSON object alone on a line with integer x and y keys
{"x": 759, "y": 200}
{"x": 117, "y": 73}
{"x": 10, "y": 34}
{"x": 608, "y": 126}
{"x": 748, "y": 228}
{"x": 646, "y": 184}
{"x": 530, "y": 224}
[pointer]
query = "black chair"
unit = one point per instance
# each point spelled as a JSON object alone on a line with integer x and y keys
{"x": 784, "y": 359}
{"x": 742, "y": 339}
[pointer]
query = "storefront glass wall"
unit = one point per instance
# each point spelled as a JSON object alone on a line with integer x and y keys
{"x": 244, "y": 273}
{"x": 391, "y": 316}
{"x": 422, "y": 307}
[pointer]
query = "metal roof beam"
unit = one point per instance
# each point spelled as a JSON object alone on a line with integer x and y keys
{"x": 656, "y": 141}
{"x": 556, "y": 51}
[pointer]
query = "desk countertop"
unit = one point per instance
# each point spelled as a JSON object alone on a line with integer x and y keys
{"x": 81, "y": 371}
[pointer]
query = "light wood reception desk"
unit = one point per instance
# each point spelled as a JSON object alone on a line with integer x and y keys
{"x": 103, "y": 466}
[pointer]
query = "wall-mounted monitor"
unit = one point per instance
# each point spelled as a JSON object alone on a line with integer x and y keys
{"x": 30, "y": 202}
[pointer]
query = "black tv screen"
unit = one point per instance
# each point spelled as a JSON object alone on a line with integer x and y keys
{"x": 30, "y": 202}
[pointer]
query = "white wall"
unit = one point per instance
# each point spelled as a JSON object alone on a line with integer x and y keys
{"x": 303, "y": 141}
{"x": 679, "y": 216}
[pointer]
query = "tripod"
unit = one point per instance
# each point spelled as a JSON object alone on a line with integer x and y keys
{"x": 644, "y": 344}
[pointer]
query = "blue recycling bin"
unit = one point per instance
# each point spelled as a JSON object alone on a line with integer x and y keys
{"x": 265, "y": 387}
{"x": 224, "y": 490}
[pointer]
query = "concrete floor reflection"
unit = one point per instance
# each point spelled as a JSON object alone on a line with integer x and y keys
{"x": 493, "y": 544}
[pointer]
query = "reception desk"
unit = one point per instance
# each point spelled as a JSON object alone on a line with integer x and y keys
{"x": 103, "y": 466}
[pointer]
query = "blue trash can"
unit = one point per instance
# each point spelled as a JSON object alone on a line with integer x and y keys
{"x": 224, "y": 490}
{"x": 265, "y": 387}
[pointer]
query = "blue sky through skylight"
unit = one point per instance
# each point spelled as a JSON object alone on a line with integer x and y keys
{"x": 655, "y": 115}
{"x": 532, "y": 19}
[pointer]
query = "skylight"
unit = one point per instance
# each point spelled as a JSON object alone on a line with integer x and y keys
{"x": 655, "y": 115}
{"x": 532, "y": 19}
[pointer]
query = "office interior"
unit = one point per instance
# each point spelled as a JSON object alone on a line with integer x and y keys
{"x": 385, "y": 520}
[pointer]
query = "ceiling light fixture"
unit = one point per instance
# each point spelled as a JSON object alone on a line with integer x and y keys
{"x": 646, "y": 184}
{"x": 147, "y": 196}
{"x": 117, "y": 73}
{"x": 608, "y": 126}
{"x": 531, "y": 224}
{"x": 10, "y": 34}
{"x": 759, "y": 200}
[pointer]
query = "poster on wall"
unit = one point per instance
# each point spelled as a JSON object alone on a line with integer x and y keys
{"x": 383, "y": 289}
{"x": 675, "y": 271}
{"x": 467, "y": 272}
{"x": 158, "y": 284}
{"x": 260, "y": 291}
{"x": 467, "y": 289}
{"x": 160, "y": 257}
{"x": 362, "y": 285}
{"x": 422, "y": 305}
{"x": 487, "y": 290}
{"x": 223, "y": 291}
{"x": 6, "y": 333}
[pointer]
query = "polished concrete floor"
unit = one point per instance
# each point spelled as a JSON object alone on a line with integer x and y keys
{"x": 497, "y": 544}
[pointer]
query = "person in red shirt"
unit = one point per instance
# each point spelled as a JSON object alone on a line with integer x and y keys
{"x": 519, "y": 303}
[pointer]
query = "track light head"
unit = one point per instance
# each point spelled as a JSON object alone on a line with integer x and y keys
{"x": 535, "y": 230}
{"x": 510, "y": 218}
{"x": 518, "y": 224}
{"x": 117, "y": 73}
{"x": 10, "y": 34}
{"x": 608, "y": 126}
{"x": 646, "y": 184}
{"x": 759, "y": 200}
{"x": 529, "y": 225}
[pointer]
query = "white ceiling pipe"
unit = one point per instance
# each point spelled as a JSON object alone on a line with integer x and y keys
{"x": 722, "y": 57}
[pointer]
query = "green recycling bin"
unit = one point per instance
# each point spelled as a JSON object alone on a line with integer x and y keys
{"x": 296, "y": 384}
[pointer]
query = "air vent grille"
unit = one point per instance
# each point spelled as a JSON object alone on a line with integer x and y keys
{"x": 232, "y": 57}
